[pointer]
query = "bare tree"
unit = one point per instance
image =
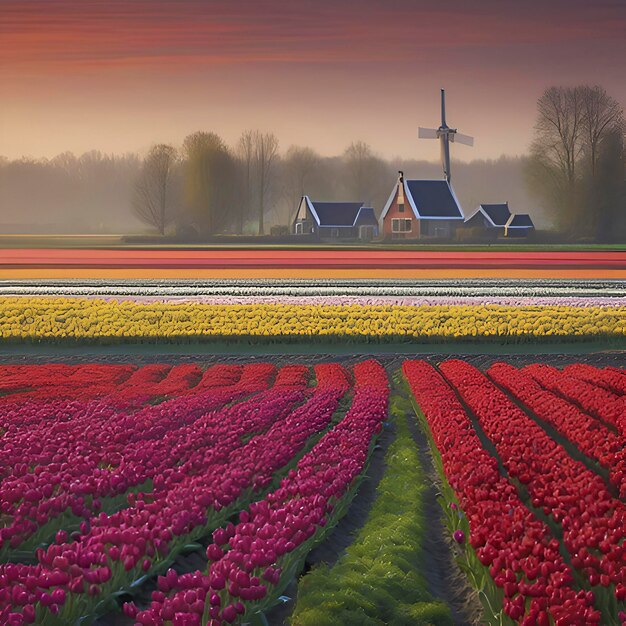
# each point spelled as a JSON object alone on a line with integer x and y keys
{"x": 559, "y": 128}
{"x": 364, "y": 172}
{"x": 601, "y": 117}
{"x": 357, "y": 157}
{"x": 152, "y": 202}
{"x": 300, "y": 166}
{"x": 265, "y": 155}
{"x": 245, "y": 152}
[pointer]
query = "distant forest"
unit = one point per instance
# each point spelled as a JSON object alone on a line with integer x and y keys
{"x": 95, "y": 192}
{"x": 573, "y": 180}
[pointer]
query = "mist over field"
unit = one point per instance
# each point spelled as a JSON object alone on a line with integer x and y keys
{"x": 93, "y": 193}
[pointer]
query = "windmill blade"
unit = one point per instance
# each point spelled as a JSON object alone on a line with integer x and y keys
{"x": 464, "y": 139}
{"x": 426, "y": 133}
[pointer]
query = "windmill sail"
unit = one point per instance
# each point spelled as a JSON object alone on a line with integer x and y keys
{"x": 427, "y": 133}
{"x": 445, "y": 134}
{"x": 464, "y": 139}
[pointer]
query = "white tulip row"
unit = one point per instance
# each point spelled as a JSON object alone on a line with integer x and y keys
{"x": 488, "y": 288}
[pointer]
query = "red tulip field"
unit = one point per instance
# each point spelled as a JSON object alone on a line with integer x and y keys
{"x": 114, "y": 477}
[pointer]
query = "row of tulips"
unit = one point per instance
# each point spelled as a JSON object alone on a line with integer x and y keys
{"x": 17, "y": 377}
{"x": 319, "y": 288}
{"x": 576, "y": 500}
{"x": 43, "y": 384}
{"x": 609, "y": 379}
{"x": 52, "y": 319}
{"x": 46, "y": 382}
{"x": 593, "y": 399}
{"x": 34, "y": 418}
{"x": 231, "y": 466}
{"x": 250, "y": 562}
{"x": 32, "y": 427}
{"x": 82, "y": 465}
{"x": 588, "y": 434}
{"x": 429, "y": 300}
{"x": 518, "y": 549}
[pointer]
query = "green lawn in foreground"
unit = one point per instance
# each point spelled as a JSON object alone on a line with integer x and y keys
{"x": 116, "y": 242}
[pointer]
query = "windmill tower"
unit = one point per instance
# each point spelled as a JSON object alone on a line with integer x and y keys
{"x": 445, "y": 134}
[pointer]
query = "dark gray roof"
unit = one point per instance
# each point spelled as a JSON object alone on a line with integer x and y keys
{"x": 523, "y": 220}
{"x": 478, "y": 219}
{"x": 498, "y": 213}
{"x": 434, "y": 198}
{"x": 337, "y": 213}
{"x": 367, "y": 217}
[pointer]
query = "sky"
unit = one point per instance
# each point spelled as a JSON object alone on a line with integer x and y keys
{"x": 120, "y": 76}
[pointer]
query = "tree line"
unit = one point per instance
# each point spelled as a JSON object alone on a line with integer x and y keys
{"x": 206, "y": 188}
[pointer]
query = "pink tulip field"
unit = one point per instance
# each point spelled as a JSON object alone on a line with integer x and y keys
{"x": 110, "y": 473}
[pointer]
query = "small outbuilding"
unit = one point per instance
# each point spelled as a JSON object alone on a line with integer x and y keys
{"x": 498, "y": 218}
{"x": 421, "y": 209}
{"x": 335, "y": 220}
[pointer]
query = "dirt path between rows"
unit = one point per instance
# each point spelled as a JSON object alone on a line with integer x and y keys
{"x": 445, "y": 579}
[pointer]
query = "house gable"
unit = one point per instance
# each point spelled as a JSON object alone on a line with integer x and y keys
{"x": 496, "y": 214}
{"x": 305, "y": 212}
{"x": 398, "y": 193}
{"x": 399, "y": 219}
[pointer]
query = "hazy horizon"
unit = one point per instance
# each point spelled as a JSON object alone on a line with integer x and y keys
{"x": 118, "y": 77}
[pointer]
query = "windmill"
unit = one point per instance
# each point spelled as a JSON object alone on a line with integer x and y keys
{"x": 445, "y": 136}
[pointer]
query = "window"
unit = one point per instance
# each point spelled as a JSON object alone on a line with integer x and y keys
{"x": 401, "y": 225}
{"x": 400, "y": 208}
{"x": 299, "y": 228}
{"x": 334, "y": 232}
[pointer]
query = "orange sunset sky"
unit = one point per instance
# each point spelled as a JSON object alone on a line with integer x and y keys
{"x": 120, "y": 76}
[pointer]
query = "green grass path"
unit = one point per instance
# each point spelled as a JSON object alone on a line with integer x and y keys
{"x": 378, "y": 580}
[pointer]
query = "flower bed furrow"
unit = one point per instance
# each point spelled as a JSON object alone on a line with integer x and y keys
{"x": 592, "y": 399}
{"x": 512, "y": 546}
{"x": 105, "y": 462}
{"x": 606, "y": 378}
{"x": 158, "y": 468}
{"x": 50, "y": 375}
{"x": 574, "y": 498}
{"x": 251, "y": 562}
{"x": 113, "y": 551}
{"x": 588, "y": 434}
{"x": 380, "y": 579}
{"x": 113, "y": 421}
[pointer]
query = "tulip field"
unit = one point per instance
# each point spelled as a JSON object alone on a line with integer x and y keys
{"x": 112, "y": 472}
{"x": 232, "y": 262}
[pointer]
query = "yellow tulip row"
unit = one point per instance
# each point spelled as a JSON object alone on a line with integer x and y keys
{"x": 88, "y": 319}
